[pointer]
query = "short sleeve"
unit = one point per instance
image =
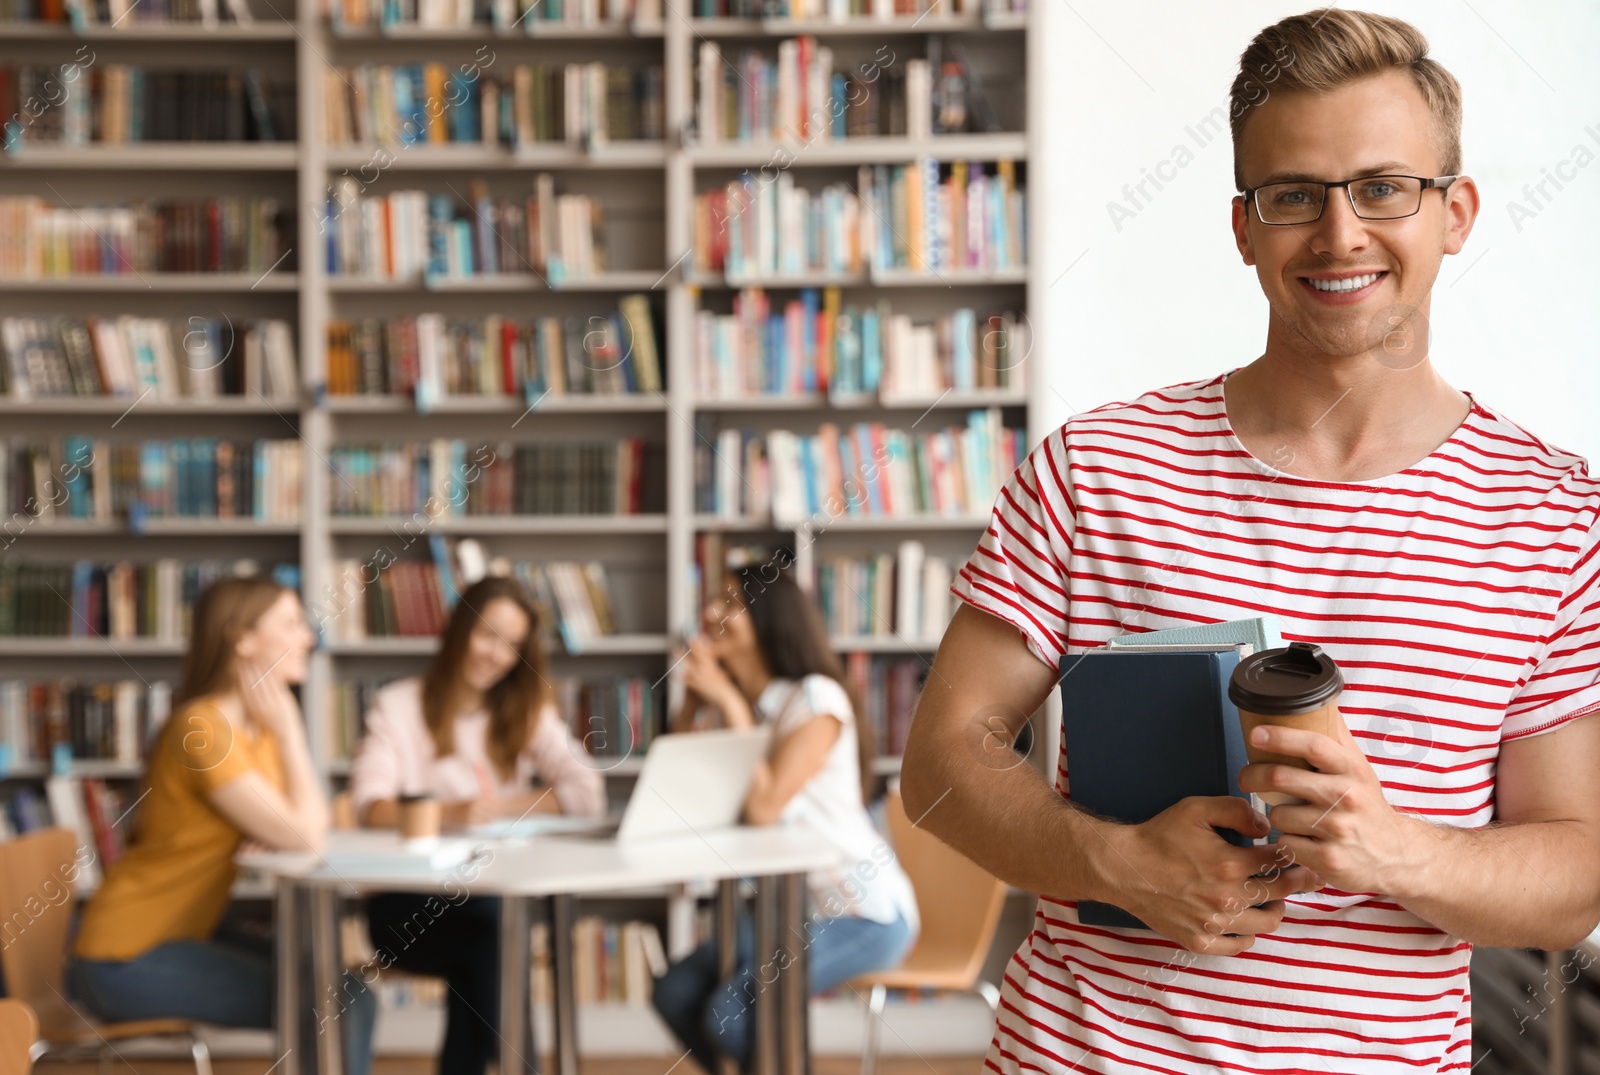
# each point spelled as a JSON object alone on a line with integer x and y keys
{"x": 1018, "y": 571}
{"x": 819, "y": 695}
{"x": 1565, "y": 681}
{"x": 206, "y": 744}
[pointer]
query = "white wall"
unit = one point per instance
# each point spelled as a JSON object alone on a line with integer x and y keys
{"x": 1516, "y": 315}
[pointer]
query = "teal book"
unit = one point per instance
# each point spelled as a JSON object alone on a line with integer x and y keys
{"x": 1143, "y": 729}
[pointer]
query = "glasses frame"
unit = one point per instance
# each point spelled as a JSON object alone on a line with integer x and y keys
{"x": 1437, "y": 183}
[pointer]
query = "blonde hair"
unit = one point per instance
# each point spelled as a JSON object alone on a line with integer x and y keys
{"x": 227, "y": 609}
{"x": 1323, "y": 49}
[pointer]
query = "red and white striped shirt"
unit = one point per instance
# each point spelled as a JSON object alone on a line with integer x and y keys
{"x": 1459, "y": 598}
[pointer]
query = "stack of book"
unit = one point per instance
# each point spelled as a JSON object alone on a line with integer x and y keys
{"x": 923, "y": 217}
{"x": 111, "y": 721}
{"x": 117, "y": 103}
{"x": 230, "y": 234}
{"x": 118, "y": 14}
{"x": 904, "y": 594}
{"x": 146, "y": 357}
{"x": 526, "y": 15}
{"x": 613, "y": 718}
{"x": 434, "y": 357}
{"x": 408, "y": 234}
{"x": 435, "y": 478}
{"x": 122, "y": 600}
{"x": 347, "y": 703}
{"x": 412, "y": 599}
{"x": 81, "y": 477}
{"x": 581, "y": 104}
{"x": 870, "y": 470}
{"x": 813, "y": 344}
{"x": 888, "y": 689}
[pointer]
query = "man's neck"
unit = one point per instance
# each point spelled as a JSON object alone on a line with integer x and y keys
{"x": 1341, "y": 418}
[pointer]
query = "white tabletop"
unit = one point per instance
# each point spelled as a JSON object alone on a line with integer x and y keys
{"x": 542, "y": 866}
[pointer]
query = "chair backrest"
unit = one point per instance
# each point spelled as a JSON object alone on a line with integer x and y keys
{"x": 343, "y": 811}
{"x": 19, "y": 1029}
{"x": 36, "y": 904}
{"x": 958, "y": 902}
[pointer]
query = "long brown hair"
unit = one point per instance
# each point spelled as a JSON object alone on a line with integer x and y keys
{"x": 794, "y": 640}
{"x": 227, "y": 609}
{"x": 513, "y": 703}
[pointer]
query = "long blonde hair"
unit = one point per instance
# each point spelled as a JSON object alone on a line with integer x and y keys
{"x": 227, "y": 609}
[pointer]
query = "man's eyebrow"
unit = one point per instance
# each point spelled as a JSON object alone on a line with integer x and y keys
{"x": 1382, "y": 168}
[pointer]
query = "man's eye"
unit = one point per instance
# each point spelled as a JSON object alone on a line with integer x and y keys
{"x": 1379, "y": 191}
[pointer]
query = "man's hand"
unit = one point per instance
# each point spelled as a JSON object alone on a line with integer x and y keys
{"x": 1187, "y": 883}
{"x": 1346, "y": 832}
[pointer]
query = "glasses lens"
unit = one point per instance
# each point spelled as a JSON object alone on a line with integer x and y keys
{"x": 1384, "y": 197}
{"x": 1289, "y": 203}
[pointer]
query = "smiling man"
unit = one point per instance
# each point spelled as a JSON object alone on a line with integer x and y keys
{"x": 1444, "y": 556}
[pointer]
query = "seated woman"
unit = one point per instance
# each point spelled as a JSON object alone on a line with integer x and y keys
{"x": 230, "y": 765}
{"x": 471, "y": 733}
{"x": 764, "y": 659}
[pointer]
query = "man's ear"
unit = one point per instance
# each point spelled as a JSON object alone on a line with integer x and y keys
{"x": 1461, "y": 211}
{"x": 1241, "y": 230}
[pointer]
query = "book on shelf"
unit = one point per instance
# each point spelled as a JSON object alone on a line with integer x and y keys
{"x": 613, "y": 962}
{"x": 432, "y": 357}
{"x": 528, "y": 15}
{"x": 79, "y": 477}
{"x": 105, "y": 721}
{"x": 191, "y": 235}
{"x": 411, "y": 599}
{"x": 901, "y": 594}
{"x": 798, "y": 92}
{"x": 118, "y": 601}
{"x": 413, "y": 234}
{"x": 814, "y": 344}
{"x": 116, "y": 104}
{"x": 122, "y": 14}
{"x": 94, "y": 812}
{"x": 923, "y": 217}
{"x": 130, "y": 356}
{"x": 437, "y": 478}
{"x": 868, "y": 470}
{"x": 614, "y": 717}
{"x": 888, "y": 688}
{"x": 834, "y": 10}
{"x": 578, "y": 104}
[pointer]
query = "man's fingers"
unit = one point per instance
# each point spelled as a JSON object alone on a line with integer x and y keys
{"x": 1231, "y": 812}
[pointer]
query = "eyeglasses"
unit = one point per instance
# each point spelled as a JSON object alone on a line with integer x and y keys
{"x": 1373, "y": 197}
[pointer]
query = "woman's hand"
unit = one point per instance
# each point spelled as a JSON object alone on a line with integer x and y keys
{"x": 701, "y": 673}
{"x": 469, "y": 812}
{"x": 269, "y": 701}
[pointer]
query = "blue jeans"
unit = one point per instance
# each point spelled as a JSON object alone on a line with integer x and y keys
{"x": 230, "y": 980}
{"x": 712, "y": 1017}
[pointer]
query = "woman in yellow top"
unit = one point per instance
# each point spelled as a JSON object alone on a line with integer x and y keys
{"x": 231, "y": 765}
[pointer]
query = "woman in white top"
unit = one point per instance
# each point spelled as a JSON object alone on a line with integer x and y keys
{"x": 764, "y": 659}
{"x": 471, "y": 732}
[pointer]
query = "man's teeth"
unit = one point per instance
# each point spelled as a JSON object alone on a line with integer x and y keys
{"x": 1352, "y": 283}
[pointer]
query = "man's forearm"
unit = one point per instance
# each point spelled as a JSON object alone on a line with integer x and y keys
{"x": 1534, "y": 885}
{"x": 1009, "y": 821}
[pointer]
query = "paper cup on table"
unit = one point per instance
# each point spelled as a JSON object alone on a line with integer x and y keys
{"x": 420, "y": 819}
{"x": 1294, "y": 687}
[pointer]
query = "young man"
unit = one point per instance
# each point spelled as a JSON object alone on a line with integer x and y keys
{"x": 1446, "y": 558}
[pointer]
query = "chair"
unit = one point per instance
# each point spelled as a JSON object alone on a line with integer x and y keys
{"x": 959, "y": 905}
{"x": 19, "y": 1029}
{"x": 34, "y": 920}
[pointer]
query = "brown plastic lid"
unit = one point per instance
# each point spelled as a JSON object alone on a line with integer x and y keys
{"x": 1278, "y": 682}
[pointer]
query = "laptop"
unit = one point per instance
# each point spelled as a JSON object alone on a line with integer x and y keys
{"x": 691, "y": 782}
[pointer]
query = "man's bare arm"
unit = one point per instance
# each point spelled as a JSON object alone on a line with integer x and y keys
{"x": 955, "y": 783}
{"x": 1532, "y": 879}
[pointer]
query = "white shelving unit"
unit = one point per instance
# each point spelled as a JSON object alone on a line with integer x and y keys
{"x": 659, "y": 546}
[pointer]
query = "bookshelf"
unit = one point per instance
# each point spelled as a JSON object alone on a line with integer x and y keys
{"x": 648, "y": 190}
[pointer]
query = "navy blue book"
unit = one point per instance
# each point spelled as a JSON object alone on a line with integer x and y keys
{"x": 1144, "y": 728}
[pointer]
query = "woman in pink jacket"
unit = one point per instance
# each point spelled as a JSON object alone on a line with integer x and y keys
{"x": 472, "y": 733}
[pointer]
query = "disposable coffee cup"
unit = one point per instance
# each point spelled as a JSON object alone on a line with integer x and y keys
{"x": 1294, "y": 687}
{"x": 420, "y": 818}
